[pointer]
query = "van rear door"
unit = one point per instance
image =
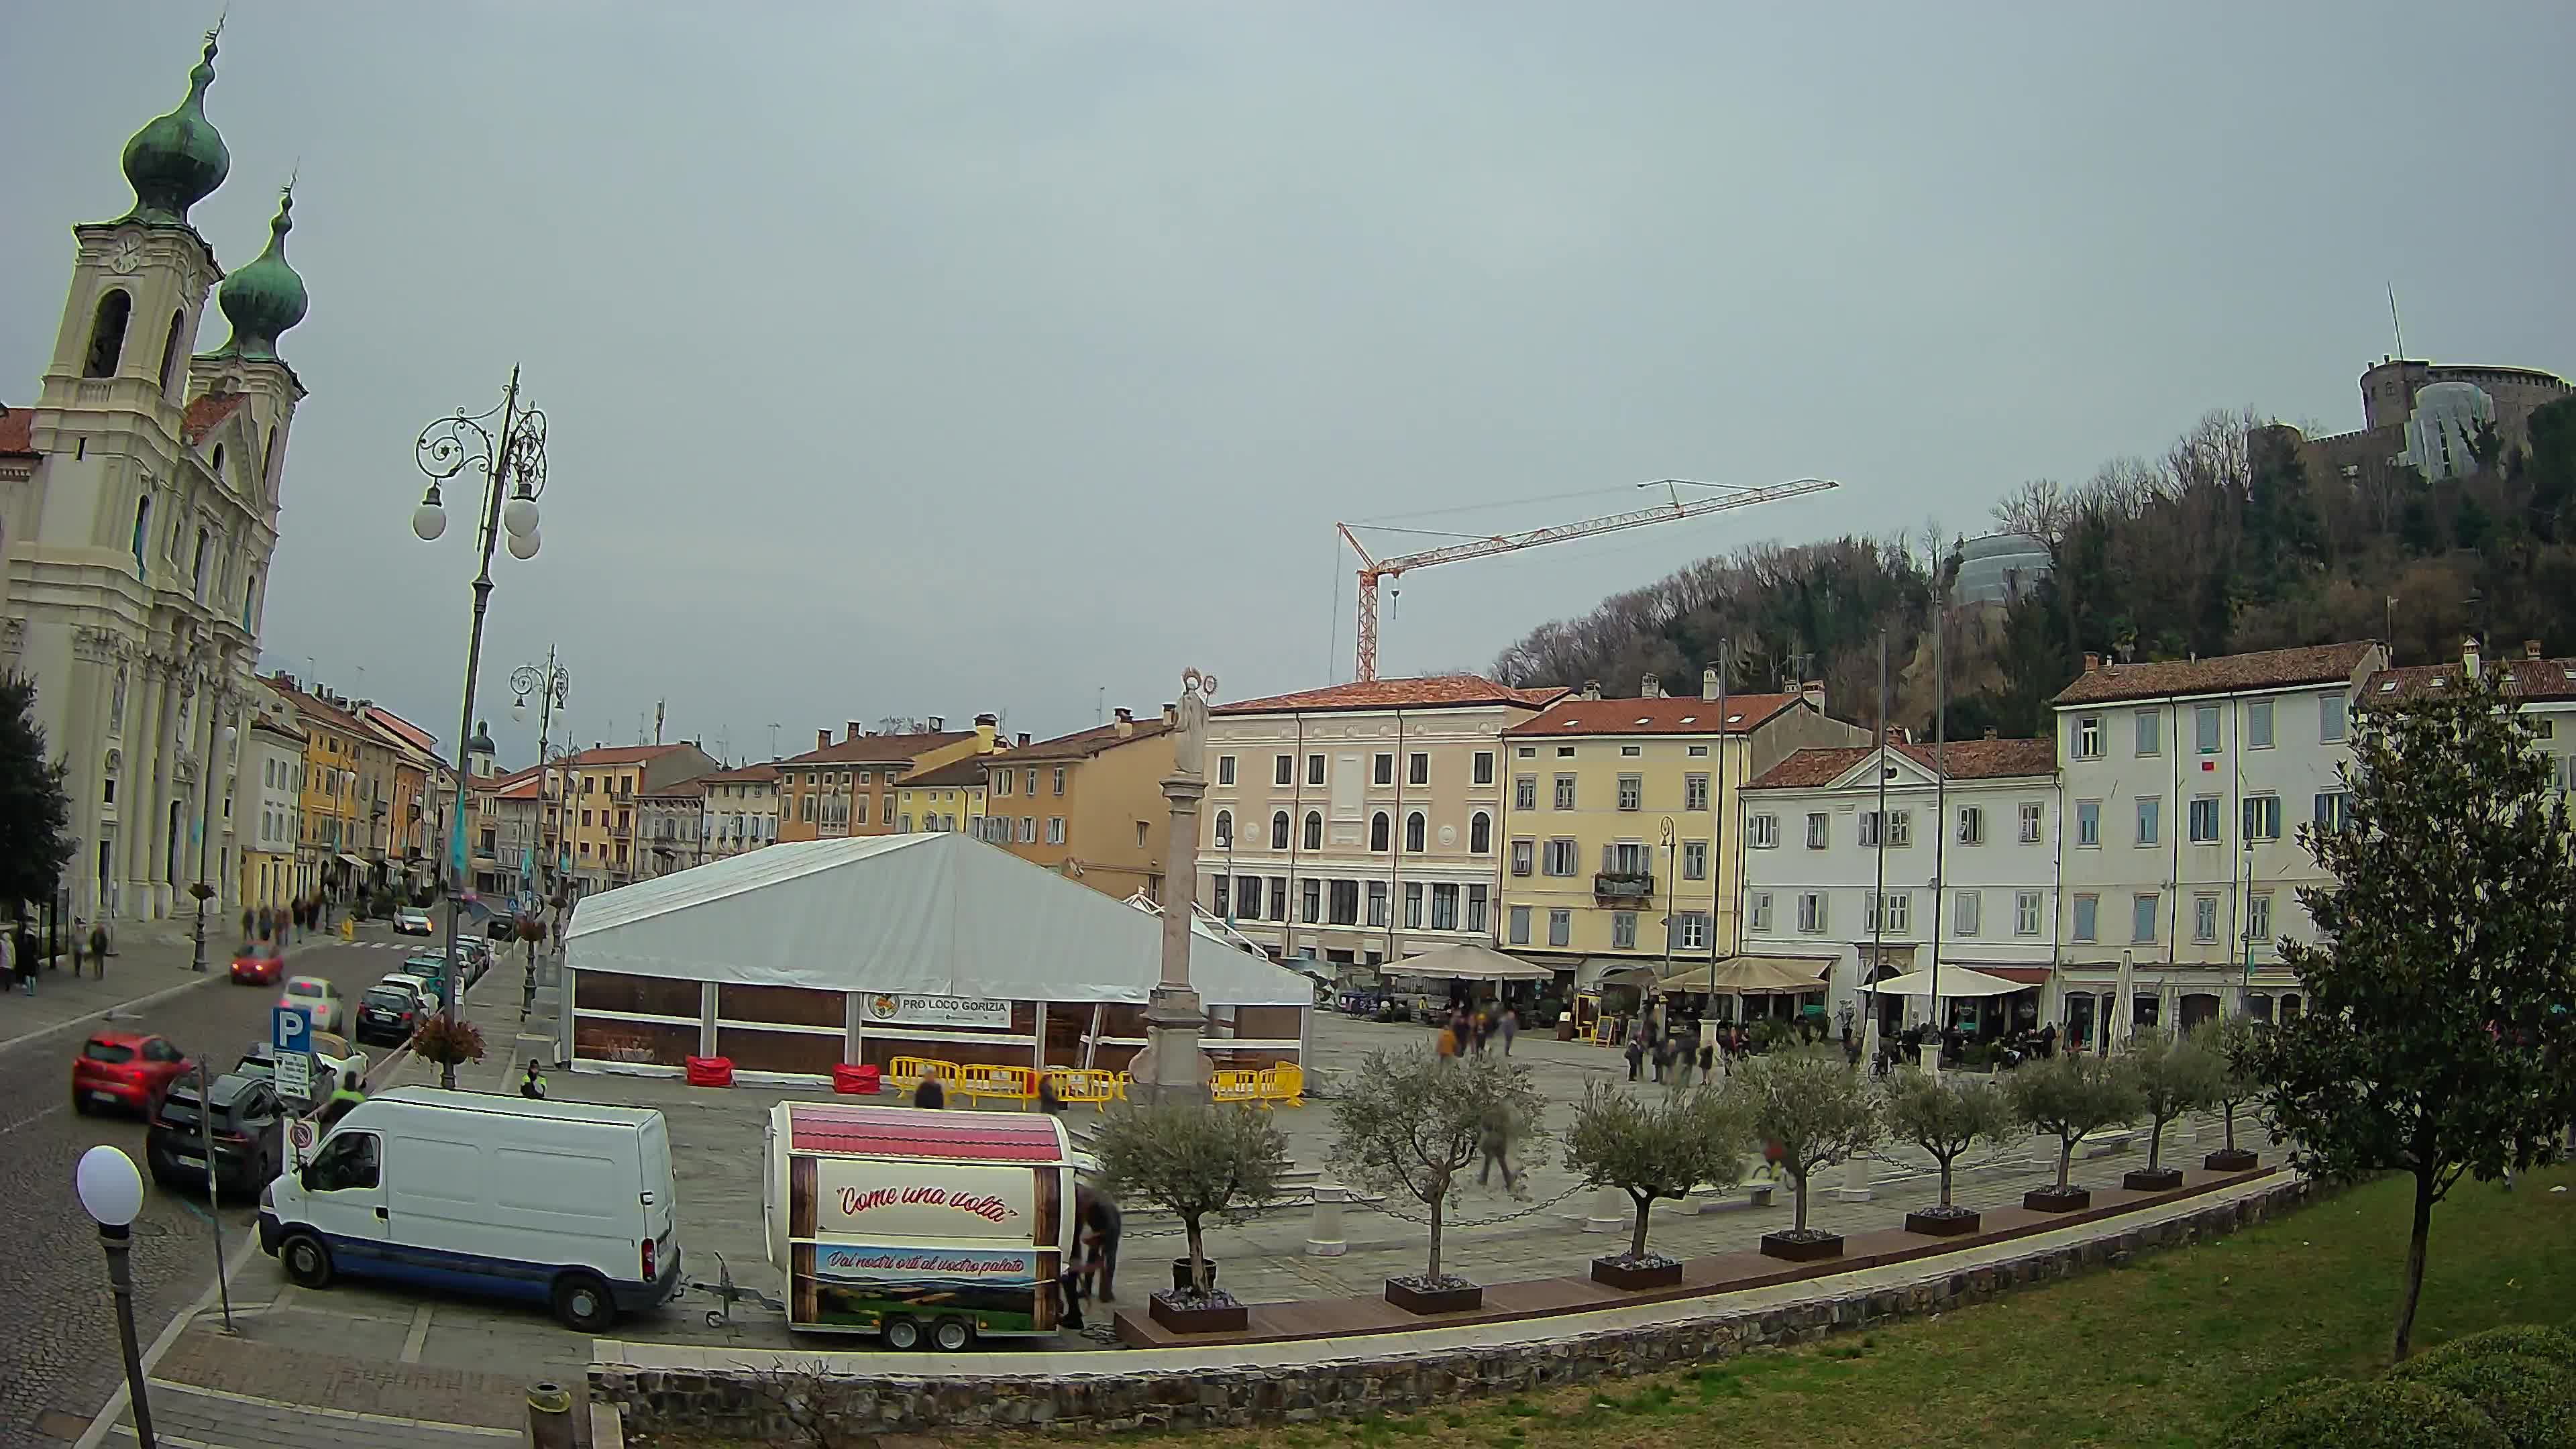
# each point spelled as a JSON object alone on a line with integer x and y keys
{"x": 661, "y": 1220}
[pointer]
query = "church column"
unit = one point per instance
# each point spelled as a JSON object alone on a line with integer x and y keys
{"x": 139, "y": 789}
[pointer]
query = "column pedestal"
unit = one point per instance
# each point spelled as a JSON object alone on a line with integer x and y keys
{"x": 1171, "y": 1070}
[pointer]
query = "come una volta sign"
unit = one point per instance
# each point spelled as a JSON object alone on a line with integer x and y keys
{"x": 893, "y": 1010}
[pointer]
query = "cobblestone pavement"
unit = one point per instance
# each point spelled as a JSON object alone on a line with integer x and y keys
{"x": 265, "y": 1387}
{"x": 60, "y": 1354}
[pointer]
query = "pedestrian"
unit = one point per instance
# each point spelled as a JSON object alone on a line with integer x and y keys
{"x": 1048, "y": 1101}
{"x": 1097, "y": 1226}
{"x": 1683, "y": 1059}
{"x": 76, "y": 947}
{"x": 1663, "y": 1057}
{"x": 12, "y": 959}
{"x": 1510, "y": 1027}
{"x": 1636, "y": 1051}
{"x": 98, "y": 949}
{"x": 1444, "y": 1043}
{"x": 1493, "y": 1144}
{"x": 928, "y": 1094}
{"x": 1708, "y": 1063}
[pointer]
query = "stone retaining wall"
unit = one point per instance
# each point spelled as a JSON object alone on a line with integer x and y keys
{"x": 761, "y": 1405}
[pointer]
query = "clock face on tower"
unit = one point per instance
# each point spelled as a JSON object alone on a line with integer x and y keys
{"x": 126, "y": 256}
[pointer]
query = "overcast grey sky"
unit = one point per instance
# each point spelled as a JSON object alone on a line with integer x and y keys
{"x": 931, "y": 358}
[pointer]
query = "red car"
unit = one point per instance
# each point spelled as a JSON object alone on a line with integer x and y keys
{"x": 257, "y": 966}
{"x": 127, "y": 1069}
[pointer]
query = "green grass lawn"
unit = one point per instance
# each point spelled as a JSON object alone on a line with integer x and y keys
{"x": 2161, "y": 1352}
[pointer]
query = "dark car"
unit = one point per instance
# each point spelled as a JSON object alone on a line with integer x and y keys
{"x": 387, "y": 1014}
{"x": 248, "y": 1135}
{"x": 125, "y": 1069}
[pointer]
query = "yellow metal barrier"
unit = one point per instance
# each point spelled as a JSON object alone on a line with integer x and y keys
{"x": 1236, "y": 1084}
{"x": 1085, "y": 1084}
{"x": 979, "y": 1080}
{"x": 905, "y": 1073}
{"x": 1285, "y": 1082}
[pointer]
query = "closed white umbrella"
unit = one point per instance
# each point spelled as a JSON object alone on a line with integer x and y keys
{"x": 2115, "y": 1032}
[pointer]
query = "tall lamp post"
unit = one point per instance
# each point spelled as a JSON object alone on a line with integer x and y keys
{"x": 553, "y": 686}
{"x": 513, "y": 465}
{"x": 223, "y": 741}
{"x": 111, "y": 1192}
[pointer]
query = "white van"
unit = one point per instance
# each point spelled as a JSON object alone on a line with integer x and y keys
{"x": 566, "y": 1203}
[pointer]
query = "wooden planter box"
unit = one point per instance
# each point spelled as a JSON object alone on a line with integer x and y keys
{"x": 2231, "y": 1159}
{"x": 1801, "y": 1250}
{"x": 1212, "y": 1318}
{"x": 1613, "y": 1273}
{"x": 2151, "y": 1179}
{"x": 1942, "y": 1225}
{"x": 1436, "y": 1300}
{"x": 2051, "y": 1200}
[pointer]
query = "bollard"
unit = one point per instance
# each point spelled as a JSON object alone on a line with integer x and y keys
{"x": 1855, "y": 1186}
{"x": 1324, "y": 1236}
{"x": 549, "y": 1416}
{"x": 1611, "y": 1212}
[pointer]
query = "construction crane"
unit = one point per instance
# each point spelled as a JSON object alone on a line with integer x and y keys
{"x": 1373, "y": 570}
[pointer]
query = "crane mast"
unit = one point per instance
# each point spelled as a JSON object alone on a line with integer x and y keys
{"x": 1375, "y": 570}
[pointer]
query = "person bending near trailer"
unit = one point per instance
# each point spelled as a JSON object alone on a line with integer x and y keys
{"x": 1096, "y": 1228}
{"x": 929, "y": 1094}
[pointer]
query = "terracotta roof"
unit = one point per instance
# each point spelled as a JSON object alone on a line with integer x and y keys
{"x": 1431, "y": 692}
{"x": 207, "y": 412}
{"x": 968, "y": 771}
{"x": 761, "y": 774}
{"x": 621, "y": 755}
{"x": 1963, "y": 759}
{"x": 401, "y": 730}
{"x": 2226, "y": 674}
{"x": 1667, "y": 716}
{"x": 521, "y": 789}
{"x": 873, "y": 749}
{"x": 308, "y": 703}
{"x": 2525, "y": 678}
{"x": 18, "y": 431}
{"x": 1083, "y": 744}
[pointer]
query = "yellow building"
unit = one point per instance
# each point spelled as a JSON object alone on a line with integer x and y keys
{"x": 1619, "y": 819}
{"x": 1089, "y": 804}
{"x": 849, "y": 788}
{"x": 943, "y": 797}
{"x": 597, "y": 803}
{"x": 333, "y": 833}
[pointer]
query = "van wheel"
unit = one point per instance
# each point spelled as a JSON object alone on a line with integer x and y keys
{"x": 307, "y": 1261}
{"x": 951, "y": 1335}
{"x": 582, "y": 1303}
{"x": 902, "y": 1334}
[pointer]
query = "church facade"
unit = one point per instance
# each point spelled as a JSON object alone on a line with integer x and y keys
{"x": 138, "y": 515}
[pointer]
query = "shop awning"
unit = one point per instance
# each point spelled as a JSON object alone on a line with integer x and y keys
{"x": 1752, "y": 976}
{"x": 1955, "y": 981}
{"x": 353, "y": 860}
{"x": 2026, "y": 975}
{"x": 1468, "y": 961}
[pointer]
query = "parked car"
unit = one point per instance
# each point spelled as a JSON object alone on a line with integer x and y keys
{"x": 247, "y": 1133}
{"x": 319, "y": 1000}
{"x": 389, "y": 1011}
{"x": 335, "y": 1062}
{"x": 259, "y": 965}
{"x": 125, "y": 1069}
{"x": 423, "y": 989}
{"x": 411, "y": 921}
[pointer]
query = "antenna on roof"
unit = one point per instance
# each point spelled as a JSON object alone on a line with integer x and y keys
{"x": 2393, "y": 324}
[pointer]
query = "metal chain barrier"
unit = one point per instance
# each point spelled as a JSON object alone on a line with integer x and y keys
{"x": 1446, "y": 1224}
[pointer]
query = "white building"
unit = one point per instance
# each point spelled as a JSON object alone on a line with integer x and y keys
{"x": 138, "y": 512}
{"x": 2185, "y": 782}
{"x": 1969, "y": 869}
{"x": 1359, "y": 824}
{"x": 2545, "y": 690}
{"x": 741, "y": 810}
{"x": 268, "y": 808}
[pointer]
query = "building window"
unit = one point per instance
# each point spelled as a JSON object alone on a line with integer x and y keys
{"x": 1972, "y": 825}
{"x": 1694, "y": 860}
{"x": 1378, "y": 832}
{"x": 1632, "y": 792}
{"x": 1525, "y": 792}
{"x": 1221, "y": 899}
{"x": 2151, "y": 809}
{"x": 1898, "y": 907}
{"x": 1811, "y": 912}
{"x": 2258, "y": 725}
{"x": 2204, "y": 820}
{"x": 1565, "y": 792}
{"x": 2031, "y": 811}
{"x": 1694, "y": 792}
{"x": 1520, "y": 926}
{"x": 2258, "y": 918}
{"x": 1314, "y": 830}
{"x": 2204, "y": 919}
{"x": 1762, "y": 832}
{"x": 1345, "y": 906}
{"x": 2142, "y": 918}
{"x": 107, "y": 333}
{"x": 1967, "y": 912}
{"x": 1413, "y": 832}
{"x": 2151, "y": 732}
{"x": 2262, "y": 817}
{"x": 1313, "y": 903}
{"x": 2088, "y": 909}
{"x": 2025, "y": 913}
{"x": 1819, "y": 830}
{"x": 1284, "y": 770}
{"x": 1377, "y": 903}
{"x": 1623, "y": 930}
{"x": 2334, "y": 809}
{"x": 2088, "y": 822}
{"x": 1484, "y": 771}
{"x": 1417, "y": 770}
{"x": 1480, "y": 833}
{"x": 1382, "y": 769}
{"x": 1565, "y": 752}
{"x": 1560, "y": 857}
{"x": 1059, "y": 779}
{"x": 2088, "y": 737}
{"x": 1002, "y": 783}
{"x": 1560, "y": 927}
{"x": 1757, "y": 905}
{"x": 1224, "y": 772}
{"x": 1029, "y": 782}
{"x": 1279, "y": 830}
{"x": 1524, "y": 856}
{"x": 142, "y": 531}
{"x": 1444, "y": 907}
{"x": 2330, "y": 719}
{"x": 1314, "y": 769}
{"x": 1413, "y": 905}
{"x": 1247, "y": 896}
{"x": 2204, "y": 728}
{"x": 1279, "y": 898}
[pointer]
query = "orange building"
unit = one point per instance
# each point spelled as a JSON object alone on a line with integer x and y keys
{"x": 1089, "y": 804}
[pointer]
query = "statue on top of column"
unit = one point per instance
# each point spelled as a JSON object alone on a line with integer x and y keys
{"x": 1189, "y": 737}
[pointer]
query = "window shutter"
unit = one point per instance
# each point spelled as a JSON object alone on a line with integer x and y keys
{"x": 1609, "y": 858}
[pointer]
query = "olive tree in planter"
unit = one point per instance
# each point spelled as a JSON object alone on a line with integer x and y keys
{"x": 2173, "y": 1074}
{"x": 1649, "y": 1150}
{"x": 1820, "y": 1112}
{"x": 2233, "y": 1041}
{"x": 2070, "y": 1096}
{"x": 1412, "y": 1123}
{"x": 1945, "y": 1114}
{"x": 1197, "y": 1162}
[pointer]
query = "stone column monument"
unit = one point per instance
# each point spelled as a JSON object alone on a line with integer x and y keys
{"x": 1171, "y": 1069}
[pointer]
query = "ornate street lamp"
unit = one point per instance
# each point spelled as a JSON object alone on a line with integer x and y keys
{"x": 111, "y": 1192}
{"x": 507, "y": 445}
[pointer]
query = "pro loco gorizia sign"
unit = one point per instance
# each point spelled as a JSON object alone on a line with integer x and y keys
{"x": 895, "y": 1010}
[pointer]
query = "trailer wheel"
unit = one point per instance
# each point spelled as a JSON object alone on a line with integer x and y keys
{"x": 951, "y": 1335}
{"x": 902, "y": 1334}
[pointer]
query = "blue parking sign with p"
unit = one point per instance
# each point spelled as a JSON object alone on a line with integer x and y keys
{"x": 290, "y": 1030}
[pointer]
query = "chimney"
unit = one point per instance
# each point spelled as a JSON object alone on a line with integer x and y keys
{"x": 1592, "y": 689}
{"x": 1171, "y": 715}
{"x": 2530, "y": 648}
{"x": 1990, "y": 732}
{"x": 2469, "y": 656}
{"x": 1708, "y": 682}
{"x": 1651, "y": 687}
{"x": 851, "y": 730}
{"x": 2092, "y": 662}
{"x": 1126, "y": 723}
{"x": 988, "y": 732}
{"x": 938, "y": 723}
{"x": 1022, "y": 739}
{"x": 822, "y": 739}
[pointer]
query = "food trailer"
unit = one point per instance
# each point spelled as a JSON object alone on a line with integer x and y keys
{"x": 926, "y": 1227}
